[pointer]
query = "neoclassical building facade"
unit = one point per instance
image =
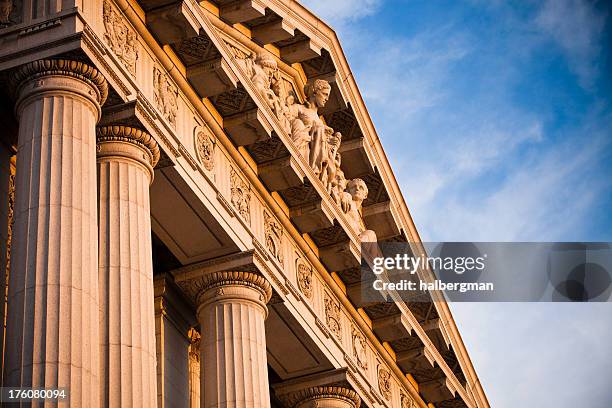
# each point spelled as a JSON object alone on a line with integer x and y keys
{"x": 185, "y": 190}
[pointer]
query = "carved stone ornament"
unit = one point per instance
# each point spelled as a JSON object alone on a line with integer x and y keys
{"x": 407, "y": 402}
{"x": 317, "y": 143}
{"x": 274, "y": 234}
{"x": 384, "y": 382}
{"x": 332, "y": 317}
{"x": 121, "y": 39}
{"x": 194, "y": 346}
{"x": 205, "y": 149}
{"x": 304, "y": 279}
{"x": 360, "y": 349}
{"x": 240, "y": 196}
{"x": 166, "y": 96}
{"x": 10, "y": 12}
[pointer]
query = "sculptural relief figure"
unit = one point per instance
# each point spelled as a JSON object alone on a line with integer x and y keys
{"x": 6, "y": 8}
{"x": 121, "y": 39}
{"x": 331, "y": 161}
{"x": 359, "y": 191}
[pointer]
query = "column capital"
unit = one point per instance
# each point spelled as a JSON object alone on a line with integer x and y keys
{"x": 126, "y": 134}
{"x": 349, "y": 397}
{"x": 62, "y": 67}
{"x": 218, "y": 280}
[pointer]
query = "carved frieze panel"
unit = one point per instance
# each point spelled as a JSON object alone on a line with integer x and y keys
{"x": 304, "y": 279}
{"x": 333, "y": 316}
{"x": 205, "y": 149}
{"x": 273, "y": 234}
{"x": 384, "y": 382}
{"x": 240, "y": 196}
{"x": 359, "y": 348}
{"x": 166, "y": 96}
{"x": 407, "y": 402}
{"x": 121, "y": 39}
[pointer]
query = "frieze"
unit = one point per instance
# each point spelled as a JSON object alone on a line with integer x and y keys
{"x": 360, "y": 348}
{"x": 166, "y": 96}
{"x": 240, "y": 196}
{"x": 121, "y": 39}
{"x": 384, "y": 382}
{"x": 333, "y": 316}
{"x": 205, "y": 149}
{"x": 406, "y": 401}
{"x": 274, "y": 235}
{"x": 304, "y": 279}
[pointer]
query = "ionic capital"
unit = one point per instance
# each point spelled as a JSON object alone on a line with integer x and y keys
{"x": 30, "y": 78}
{"x": 111, "y": 138}
{"x": 310, "y": 397}
{"x": 216, "y": 286}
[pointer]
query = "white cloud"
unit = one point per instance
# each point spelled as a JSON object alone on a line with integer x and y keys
{"x": 338, "y": 11}
{"x": 577, "y": 27}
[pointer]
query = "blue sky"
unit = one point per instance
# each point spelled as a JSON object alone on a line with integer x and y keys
{"x": 497, "y": 118}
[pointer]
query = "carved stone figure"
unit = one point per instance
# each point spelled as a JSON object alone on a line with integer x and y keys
{"x": 120, "y": 38}
{"x": 384, "y": 382}
{"x": 194, "y": 367}
{"x": 358, "y": 191}
{"x": 304, "y": 279}
{"x": 240, "y": 196}
{"x": 166, "y": 95}
{"x": 359, "y": 349}
{"x": 6, "y": 8}
{"x": 205, "y": 148}
{"x": 332, "y": 317}
{"x": 274, "y": 233}
{"x": 331, "y": 161}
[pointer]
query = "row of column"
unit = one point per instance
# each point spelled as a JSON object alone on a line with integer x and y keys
{"x": 80, "y": 306}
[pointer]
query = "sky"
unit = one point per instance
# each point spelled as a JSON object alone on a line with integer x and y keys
{"x": 497, "y": 119}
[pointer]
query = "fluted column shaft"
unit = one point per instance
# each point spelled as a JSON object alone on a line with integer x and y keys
{"x": 53, "y": 291}
{"x": 325, "y": 397}
{"x": 127, "y": 317}
{"x": 232, "y": 310}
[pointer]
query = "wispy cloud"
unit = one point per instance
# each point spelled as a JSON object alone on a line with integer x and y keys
{"x": 577, "y": 27}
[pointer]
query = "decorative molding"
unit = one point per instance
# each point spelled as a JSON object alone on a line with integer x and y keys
{"x": 322, "y": 327}
{"x": 384, "y": 382}
{"x": 304, "y": 278}
{"x": 274, "y": 237}
{"x": 166, "y": 96}
{"x": 205, "y": 149}
{"x": 359, "y": 348}
{"x": 128, "y": 134}
{"x": 322, "y": 392}
{"x": 240, "y": 196}
{"x": 333, "y": 316}
{"x": 226, "y": 204}
{"x": 406, "y": 401}
{"x": 75, "y": 69}
{"x": 188, "y": 157}
{"x": 121, "y": 39}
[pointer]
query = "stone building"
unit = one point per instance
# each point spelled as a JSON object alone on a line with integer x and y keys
{"x": 185, "y": 188}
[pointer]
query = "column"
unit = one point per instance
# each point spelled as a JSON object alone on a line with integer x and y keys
{"x": 231, "y": 311}
{"x": 52, "y": 332}
{"x": 325, "y": 397}
{"x": 126, "y": 157}
{"x": 7, "y": 195}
